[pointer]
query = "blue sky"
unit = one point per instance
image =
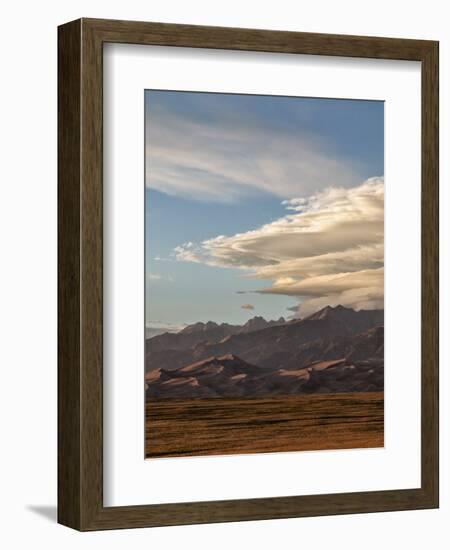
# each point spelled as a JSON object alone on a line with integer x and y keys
{"x": 225, "y": 171}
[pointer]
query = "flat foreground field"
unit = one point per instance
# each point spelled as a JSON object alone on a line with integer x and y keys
{"x": 284, "y": 423}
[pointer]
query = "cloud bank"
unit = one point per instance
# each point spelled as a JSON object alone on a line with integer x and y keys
{"x": 327, "y": 250}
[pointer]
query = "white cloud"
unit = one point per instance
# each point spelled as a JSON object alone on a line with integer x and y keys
{"x": 226, "y": 158}
{"x": 158, "y": 277}
{"x": 154, "y": 276}
{"x": 329, "y": 249}
{"x": 359, "y": 289}
{"x": 160, "y": 326}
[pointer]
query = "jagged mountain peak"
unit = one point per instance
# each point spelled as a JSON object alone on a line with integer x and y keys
{"x": 264, "y": 344}
{"x": 343, "y": 313}
{"x": 199, "y": 327}
{"x": 259, "y": 323}
{"x": 330, "y": 311}
{"x": 255, "y": 323}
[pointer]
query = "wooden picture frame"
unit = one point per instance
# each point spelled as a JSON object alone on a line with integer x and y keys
{"x": 80, "y": 272}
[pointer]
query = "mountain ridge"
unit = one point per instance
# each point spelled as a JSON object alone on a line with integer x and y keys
{"x": 207, "y": 332}
{"x": 263, "y": 347}
{"x": 232, "y": 377}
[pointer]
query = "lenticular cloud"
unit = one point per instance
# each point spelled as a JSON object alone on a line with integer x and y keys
{"x": 328, "y": 249}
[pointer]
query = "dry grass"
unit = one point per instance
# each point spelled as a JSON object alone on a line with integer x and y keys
{"x": 284, "y": 423}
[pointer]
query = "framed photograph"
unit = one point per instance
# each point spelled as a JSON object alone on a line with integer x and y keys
{"x": 248, "y": 274}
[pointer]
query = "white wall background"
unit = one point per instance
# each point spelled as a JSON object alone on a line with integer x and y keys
{"x": 28, "y": 273}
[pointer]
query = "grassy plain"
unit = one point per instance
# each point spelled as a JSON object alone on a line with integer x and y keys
{"x": 283, "y": 423}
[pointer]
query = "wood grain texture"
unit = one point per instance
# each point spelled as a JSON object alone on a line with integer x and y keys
{"x": 69, "y": 245}
{"x": 80, "y": 295}
{"x": 430, "y": 272}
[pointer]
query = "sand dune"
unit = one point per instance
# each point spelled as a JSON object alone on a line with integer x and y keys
{"x": 323, "y": 353}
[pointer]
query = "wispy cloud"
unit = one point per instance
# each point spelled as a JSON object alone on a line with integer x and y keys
{"x": 329, "y": 249}
{"x": 154, "y": 276}
{"x": 160, "y": 326}
{"x": 158, "y": 277}
{"x": 225, "y": 156}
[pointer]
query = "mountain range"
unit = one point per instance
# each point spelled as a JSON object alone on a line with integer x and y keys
{"x": 209, "y": 332}
{"x": 336, "y": 349}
